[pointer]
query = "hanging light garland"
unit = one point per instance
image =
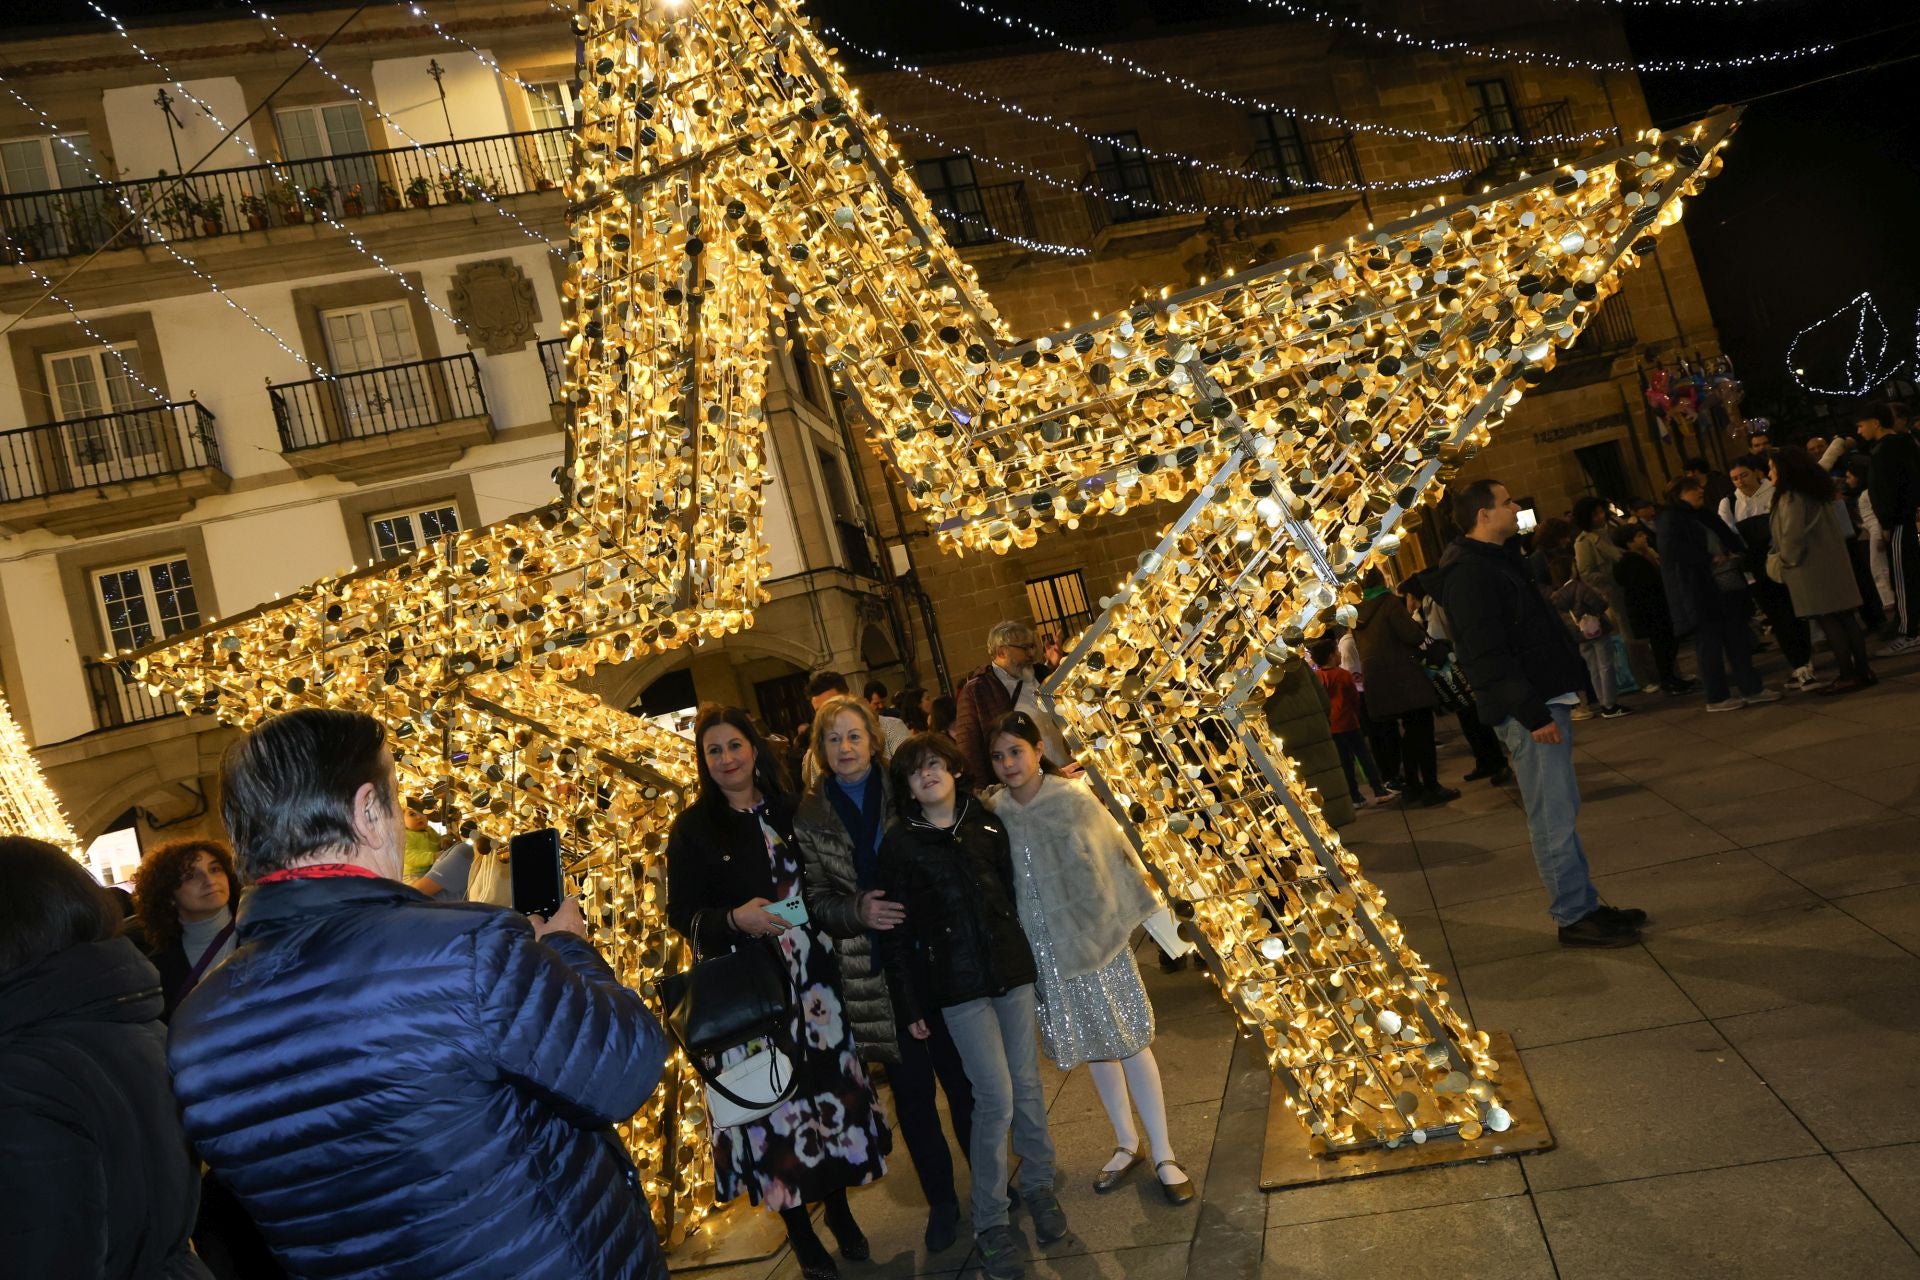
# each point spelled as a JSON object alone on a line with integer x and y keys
{"x": 1132, "y": 147}
{"x": 1122, "y": 62}
{"x": 1865, "y": 366}
{"x": 28, "y": 806}
{"x": 1533, "y": 57}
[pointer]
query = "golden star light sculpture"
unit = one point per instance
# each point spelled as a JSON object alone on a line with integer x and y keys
{"x": 28, "y": 806}
{"x": 727, "y": 183}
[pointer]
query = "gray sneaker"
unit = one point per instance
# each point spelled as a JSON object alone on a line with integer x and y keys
{"x": 1049, "y": 1219}
{"x": 1762, "y": 698}
{"x": 1000, "y": 1253}
{"x": 1735, "y": 703}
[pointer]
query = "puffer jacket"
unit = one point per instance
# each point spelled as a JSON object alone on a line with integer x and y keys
{"x": 395, "y": 1087}
{"x": 833, "y": 890}
{"x": 962, "y": 940}
{"x": 96, "y": 1182}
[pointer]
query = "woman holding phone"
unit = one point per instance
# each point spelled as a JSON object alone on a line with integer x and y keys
{"x": 839, "y": 826}
{"x": 731, "y": 858}
{"x": 1081, "y": 895}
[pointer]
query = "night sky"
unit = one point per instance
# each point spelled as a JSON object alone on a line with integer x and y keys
{"x": 1820, "y": 199}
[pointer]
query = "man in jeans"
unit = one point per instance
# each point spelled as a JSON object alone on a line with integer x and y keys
{"x": 1527, "y": 675}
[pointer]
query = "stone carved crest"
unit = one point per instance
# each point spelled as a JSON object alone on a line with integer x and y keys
{"x": 494, "y": 302}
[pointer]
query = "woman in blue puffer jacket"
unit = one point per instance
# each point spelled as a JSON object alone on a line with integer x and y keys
{"x": 393, "y": 1087}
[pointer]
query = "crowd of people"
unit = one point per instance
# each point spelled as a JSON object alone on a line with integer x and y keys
{"x": 363, "y": 1065}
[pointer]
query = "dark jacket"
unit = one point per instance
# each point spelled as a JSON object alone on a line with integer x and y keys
{"x": 394, "y": 1087}
{"x": 1513, "y": 647}
{"x": 95, "y": 1176}
{"x": 981, "y": 701}
{"x": 1645, "y": 594}
{"x": 1687, "y": 568}
{"x": 833, "y": 898}
{"x": 962, "y": 940}
{"x": 1390, "y": 642}
{"x": 716, "y": 860}
{"x": 1893, "y": 478}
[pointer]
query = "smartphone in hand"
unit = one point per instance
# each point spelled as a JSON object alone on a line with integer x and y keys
{"x": 533, "y": 860}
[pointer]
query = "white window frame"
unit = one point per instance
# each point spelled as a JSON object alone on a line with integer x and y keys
{"x": 379, "y": 398}
{"x": 552, "y": 156}
{"x": 416, "y": 518}
{"x": 307, "y": 170}
{"x": 136, "y": 443}
{"x": 159, "y": 627}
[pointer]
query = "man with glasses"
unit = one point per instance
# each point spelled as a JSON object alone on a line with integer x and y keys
{"x": 1010, "y": 681}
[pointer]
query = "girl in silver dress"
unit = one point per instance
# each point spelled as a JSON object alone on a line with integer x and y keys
{"x": 1081, "y": 895}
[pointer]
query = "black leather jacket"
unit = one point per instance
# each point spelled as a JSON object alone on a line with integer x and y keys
{"x": 962, "y": 939}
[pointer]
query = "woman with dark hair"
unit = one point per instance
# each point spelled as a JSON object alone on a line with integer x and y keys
{"x": 914, "y": 706}
{"x": 95, "y": 1173}
{"x": 184, "y": 896}
{"x": 730, "y": 857}
{"x": 1399, "y": 697}
{"x": 1810, "y": 531}
{"x": 1700, "y": 563}
{"x": 838, "y": 826}
{"x": 945, "y": 711}
{"x": 1081, "y": 894}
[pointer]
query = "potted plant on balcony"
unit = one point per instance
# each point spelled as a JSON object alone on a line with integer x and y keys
{"x": 352, "y": 203}
{"x": 80, "y": 221}
{"x": 318, "y": 198}
{"x": 457, "y": 186}
{"x": 255, "y": 209}
{"x": 389, "y": 197}
{"x": 286, "y": 198}
{"x": 175, "y": 210}
{"x": 210, "y": 212}
{"x": 419, "y": 191}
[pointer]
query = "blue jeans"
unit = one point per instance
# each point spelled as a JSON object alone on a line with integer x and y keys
{"x": 999, "y": 1041}
{"x": 1551, "y": 791}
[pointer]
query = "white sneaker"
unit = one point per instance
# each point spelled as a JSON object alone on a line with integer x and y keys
{"x": 1898, "y": 646}
{"x": 1652, "y": 687}
{"x": 1734, "y": 703}
{"x": 1803, "y": 679}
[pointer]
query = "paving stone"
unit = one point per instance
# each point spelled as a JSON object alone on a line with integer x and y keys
{"x": 1487, "y": 1239}
{"x": 1848, "y": 1068}
{"x": 1136, "y": 1213}
{"x": 1574, "y": 995}
{"x": 1788, "y": 1219}
{"x": 1653, "y": 1102}
{"x": 1890, "y": 1176}
{"x": 1802, "y": 955}
{"x": 1753, "y": 817}
{"x": 1392, "y": 1193}
{"x": 1880, "y": 855}
{"x": 1893, "y": 913}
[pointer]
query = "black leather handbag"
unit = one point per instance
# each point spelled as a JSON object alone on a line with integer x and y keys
{"x": 724, "y": 1001}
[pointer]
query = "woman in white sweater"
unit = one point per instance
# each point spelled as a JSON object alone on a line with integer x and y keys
{"x": 1081, "y": 894}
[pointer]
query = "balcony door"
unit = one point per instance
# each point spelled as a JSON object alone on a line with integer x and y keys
{"x": 140, "y": 603}
{"x": 374, "y": 355}
{"x": 949, "y": 184}
{"x": 1123, "y": 173}
{"x": 551, "y": 106}
{"x": 97, "y": 392}
{"x": 1496, "y": 117}
{"x": 53, "y": 208}
{"x": 327, "y": 144}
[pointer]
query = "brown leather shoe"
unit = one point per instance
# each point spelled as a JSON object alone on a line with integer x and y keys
{"x": 1175, "y": 1192}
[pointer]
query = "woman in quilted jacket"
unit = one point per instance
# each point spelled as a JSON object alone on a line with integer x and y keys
{"x": 838, "y": 826}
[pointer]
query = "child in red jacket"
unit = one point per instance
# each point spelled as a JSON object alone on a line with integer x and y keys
{"x": 1343, "y": 712}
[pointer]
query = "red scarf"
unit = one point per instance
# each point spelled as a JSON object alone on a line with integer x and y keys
{"x": 318, "y": 871}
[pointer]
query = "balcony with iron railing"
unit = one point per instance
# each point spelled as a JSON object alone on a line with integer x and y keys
{"x": 998, "y": 213}
{"x": 109, "y": 471}
{"x": 1140, "y": 190}
{"x": 1500, "y": 146}
{"x": 119, "y": 700}
{"x": 222, "y": 202}
{"x": 376, "y": 423}
{"x": 1589, "y": 357}
{"x": 1318, "y": 167}
{"x": 553, "y": 363}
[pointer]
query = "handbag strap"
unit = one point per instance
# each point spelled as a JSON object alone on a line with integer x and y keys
{"x": 784, "y": 1043}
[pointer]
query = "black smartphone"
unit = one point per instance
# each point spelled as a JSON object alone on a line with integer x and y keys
{"x": 533, "y": 858}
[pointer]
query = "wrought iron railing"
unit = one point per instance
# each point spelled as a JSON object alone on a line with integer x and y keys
{"x": 1608, "y": 333}
{"x": 1501, "y": 144}
{"x": 553, "y": 362}
{"x": 377, "y": 402}
{"x": 120, "y": 700}
{"x": 1320, "y": 164}
{"x": 984, "y": 215}
{"x": 1135, "y": 189}
{"x": 219, "y": 202}
{"x": 106, "y": 448}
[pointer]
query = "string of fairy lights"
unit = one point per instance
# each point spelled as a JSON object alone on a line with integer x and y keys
{"x": 28, "y": 805}
{"x": 1535, "y": 57}
{"x": 1869, "y": 362}
{"x": 1132, "y": 146}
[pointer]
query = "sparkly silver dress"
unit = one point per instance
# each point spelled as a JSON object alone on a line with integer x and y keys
{"x": 1102, "y": 1016}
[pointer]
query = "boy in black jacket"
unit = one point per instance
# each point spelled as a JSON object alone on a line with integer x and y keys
{"x": 961, "y": 950}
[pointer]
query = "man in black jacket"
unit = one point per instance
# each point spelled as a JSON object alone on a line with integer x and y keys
{"x": 1893, "y": 486}
{"x": 1527, "y": 675}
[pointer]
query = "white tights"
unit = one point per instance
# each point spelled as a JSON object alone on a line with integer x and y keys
{"x": 1140, "y": 1077}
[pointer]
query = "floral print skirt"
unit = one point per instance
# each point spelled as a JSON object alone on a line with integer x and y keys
{"x": 832, "y": 1134}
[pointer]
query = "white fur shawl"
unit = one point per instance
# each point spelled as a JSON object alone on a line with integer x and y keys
{"x": 1090, "y": 892}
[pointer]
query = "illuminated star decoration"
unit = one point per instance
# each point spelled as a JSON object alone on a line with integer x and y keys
{"x": 728, "y": 183}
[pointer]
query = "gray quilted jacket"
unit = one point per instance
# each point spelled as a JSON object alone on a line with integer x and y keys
{"x": 826, "y": 849}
